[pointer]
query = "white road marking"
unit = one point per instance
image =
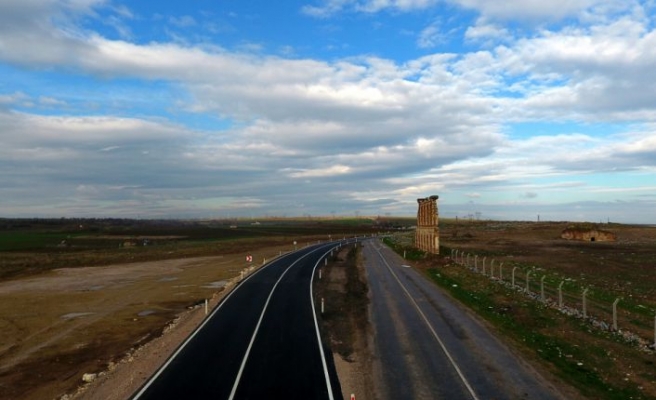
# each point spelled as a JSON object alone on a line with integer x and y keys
{"x": 257, "y": 328}
{"x": 166, "y": 364}
{"x": 316, "y": 327}
{"x": 423, "y": 316}
{"x": 259, "y": 322}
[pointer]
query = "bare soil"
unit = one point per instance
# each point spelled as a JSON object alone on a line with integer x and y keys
{"x": 68, "y": 322}
{"x": 345, "y": 322}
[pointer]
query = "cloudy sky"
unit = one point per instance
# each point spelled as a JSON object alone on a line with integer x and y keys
{"x": 213, "y": 108}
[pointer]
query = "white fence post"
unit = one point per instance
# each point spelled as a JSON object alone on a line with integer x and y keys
{"x": 560, "y": 295}
{"x": 501, "y": 272}
{"x": 528, "y": 275}
{"x": 476, "y": 263}
{"x": 484, "y": 265}
{"x": 617, "y": 300}
{"x": 513, "y": 277}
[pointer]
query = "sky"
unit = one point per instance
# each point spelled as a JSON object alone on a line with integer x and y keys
{"x": 513, "y": 110}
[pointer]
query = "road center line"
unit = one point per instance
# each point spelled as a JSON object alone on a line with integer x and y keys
{"x": 257, "y": 328}
{"x": 152, "y": 379}
{"x": 423, "y": 316}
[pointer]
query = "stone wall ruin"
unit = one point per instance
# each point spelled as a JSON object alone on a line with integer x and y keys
{"x": 427, "y": 236}
{"x": 588, "y": 235}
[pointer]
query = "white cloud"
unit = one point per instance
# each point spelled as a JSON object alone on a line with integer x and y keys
{"x": 405, "y": 128}
{"x": 430, "y": 37}
{"x": 330, "y": 7}
{"x": 184, "y": 21}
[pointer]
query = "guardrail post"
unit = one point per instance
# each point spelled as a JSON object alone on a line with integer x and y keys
{"x": 513, "y": 277}
{"x": 617, "y": 300}
{"x": 205, "y": 306}
{"x": 322, "y": 305}
{"x": 560, "y": 295}
{"x": 542, "y": 288}
{"x": 584, "y": 303}
{"x": 319, "y": 273}
{"x": 325, "y": 261}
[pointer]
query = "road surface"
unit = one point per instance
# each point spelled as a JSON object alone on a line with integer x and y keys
{"x": 426, "y": 346}
{"x": 261, "y": 342}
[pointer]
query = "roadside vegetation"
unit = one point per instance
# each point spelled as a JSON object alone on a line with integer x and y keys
{"x": 599, "y": 363}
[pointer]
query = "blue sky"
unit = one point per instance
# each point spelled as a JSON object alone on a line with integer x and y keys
{"x": 206, "y": 108}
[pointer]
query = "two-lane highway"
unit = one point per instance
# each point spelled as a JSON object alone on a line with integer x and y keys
{"x": 426, "y": 346}
{"x": 261, "y": 342}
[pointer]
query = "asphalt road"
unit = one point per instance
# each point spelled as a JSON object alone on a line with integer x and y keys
{"x": 426, "y": 346}
{"x": 261, "y": 342}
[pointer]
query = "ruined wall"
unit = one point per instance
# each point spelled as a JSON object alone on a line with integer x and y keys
{"x": 588, "y": 235}
{"x": 427, "y": 236}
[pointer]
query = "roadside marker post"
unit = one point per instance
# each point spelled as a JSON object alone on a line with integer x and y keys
{"x": 322, "y": 305}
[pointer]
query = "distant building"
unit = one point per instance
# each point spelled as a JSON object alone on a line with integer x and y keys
{"x": 427, "y": 235}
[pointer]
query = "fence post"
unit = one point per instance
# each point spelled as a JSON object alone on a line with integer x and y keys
{"x": 528, "y": 275}
{"x": 492, "y": 268}
{"x": 501, "y": 272}
{"x": 617, "y": 300}
{"x": 542, "y": 288}
{"x": 476, "y": 263}
{"x": 513, "y": 277}
{"x": 467, "y": 264}
{"x": 560, "y": 295}
{"x": 585, "y": 308}
{"x": 484, "y": 265}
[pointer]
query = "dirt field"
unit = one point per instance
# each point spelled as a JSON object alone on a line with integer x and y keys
{"x": 58, "y": 326}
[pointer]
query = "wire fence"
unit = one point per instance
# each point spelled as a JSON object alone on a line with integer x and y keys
{"x": 635, "y": 322}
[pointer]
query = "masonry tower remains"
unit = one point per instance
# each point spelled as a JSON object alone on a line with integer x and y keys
{"x": 427, "y": 236}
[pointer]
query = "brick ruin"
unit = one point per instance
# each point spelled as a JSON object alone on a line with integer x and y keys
{"x": 427, "y": 236}
{"x": 588, "y": 234}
